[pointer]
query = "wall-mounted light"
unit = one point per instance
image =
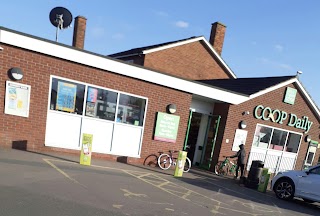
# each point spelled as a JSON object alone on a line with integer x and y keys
{"x": 15, "y": 73}
{"x": 308, "y": 138}
{"x": 243, "y": 124}
{"x": 1, "y": 48}
{"x": 172, "y": 108}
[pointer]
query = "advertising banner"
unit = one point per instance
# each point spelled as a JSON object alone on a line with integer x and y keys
{"x": 85, "y": 155}
{"x": 180, "y": 163}
{"x": 239, "y": 138}
{"x": 166, "y": 127}
{"x": 17, "y": 99}
{"x": 66, "y": 97}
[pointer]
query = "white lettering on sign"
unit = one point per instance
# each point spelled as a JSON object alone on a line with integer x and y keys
{"x": 266, "y": 113}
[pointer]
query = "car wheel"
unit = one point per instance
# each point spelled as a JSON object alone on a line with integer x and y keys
{"x": 284, "y": 189}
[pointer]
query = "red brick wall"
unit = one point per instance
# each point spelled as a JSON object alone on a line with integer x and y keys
{"x": 37, "y": 69}
{"x": 274, "y": 101}
{"x": 190, "y": 61}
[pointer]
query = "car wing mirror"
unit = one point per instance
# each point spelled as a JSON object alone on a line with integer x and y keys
{"x": 308, "y": 172}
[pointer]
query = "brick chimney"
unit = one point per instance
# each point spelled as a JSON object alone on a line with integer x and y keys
{"x": 79, "y": 32}
{"x": 217, "y": 36}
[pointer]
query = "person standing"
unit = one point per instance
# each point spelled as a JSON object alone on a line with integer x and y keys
{"x": 241, "y": 155}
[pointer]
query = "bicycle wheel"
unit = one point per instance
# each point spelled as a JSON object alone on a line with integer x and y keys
{"x": 221, "y": 168}
{"x": 187, "y": 165}
{"x": 151, "y": 161}
{"x": 164, "y": 161}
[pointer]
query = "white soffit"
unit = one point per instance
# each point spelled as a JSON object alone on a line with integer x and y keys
{"x": 191, "y": 41}
{"x": 101, "y": 62}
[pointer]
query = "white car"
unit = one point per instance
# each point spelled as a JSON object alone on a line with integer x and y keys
{"x": 304, "y": 184}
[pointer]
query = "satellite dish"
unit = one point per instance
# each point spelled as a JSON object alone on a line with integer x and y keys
{"x": 61, "y": 18}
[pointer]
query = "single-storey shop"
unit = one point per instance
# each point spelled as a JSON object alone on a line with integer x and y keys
{"x": 66, "y": 92}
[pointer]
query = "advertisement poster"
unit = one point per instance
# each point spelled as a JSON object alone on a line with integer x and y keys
{"x": 66, "y": 97}
{"x": 92, "y": 95}
{"x": 166, "y": 127}
{"x": 17, "y": 100}
{"x": 85, "y": 155}
{"x": 239, "y": 138}
{"x": 90, "y": 109}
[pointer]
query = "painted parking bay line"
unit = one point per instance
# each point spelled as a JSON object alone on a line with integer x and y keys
{"x": 63, "y": 173}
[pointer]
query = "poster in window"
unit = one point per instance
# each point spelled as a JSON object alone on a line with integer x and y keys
{"x": 92, "y": 95}
{"x": 66, "y": 97}
{"x": 17, "y": 99}
{"x": 239, "y": 138}
{"x": 90, "y": 109}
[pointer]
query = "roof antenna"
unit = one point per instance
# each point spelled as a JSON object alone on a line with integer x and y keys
{"x": 299, "y": 72}
{"x": 61, "y": 18}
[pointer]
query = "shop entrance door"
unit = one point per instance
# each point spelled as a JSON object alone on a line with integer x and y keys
{"x": 208, "y": 149}
{"x": 194, "y": 126}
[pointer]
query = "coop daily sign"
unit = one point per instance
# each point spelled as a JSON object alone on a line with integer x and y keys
{"x": 166, "y": 127}
{"x": 266, "y": 113}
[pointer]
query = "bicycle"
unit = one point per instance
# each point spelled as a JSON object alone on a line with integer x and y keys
{"x": 166, "y": 160}
{"x": 225, "y": 167}
{"x": 152, "y": 160}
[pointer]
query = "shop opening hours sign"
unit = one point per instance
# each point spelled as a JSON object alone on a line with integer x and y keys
{"x": 166, "y": 127}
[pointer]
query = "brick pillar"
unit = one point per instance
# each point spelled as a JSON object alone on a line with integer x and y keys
{"x": 217, "y": 36}
{"x": 79, "y": 32}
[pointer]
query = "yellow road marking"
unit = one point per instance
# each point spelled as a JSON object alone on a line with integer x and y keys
{"x": 63, "y": 173}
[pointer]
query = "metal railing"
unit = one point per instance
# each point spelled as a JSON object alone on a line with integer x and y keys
{"x": 275, "y": 163}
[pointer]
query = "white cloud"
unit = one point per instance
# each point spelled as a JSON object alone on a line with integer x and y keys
{"x": 275, "y": 64}
{"x": 279, "y": 47}
{"x": 162, "y": 14}
{"x": 97, "y": 32}
{"x": 118, "y": 36}
{"x": 182, "y": 24}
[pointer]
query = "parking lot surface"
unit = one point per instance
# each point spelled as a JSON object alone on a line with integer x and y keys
{"x": 56, "y": 184}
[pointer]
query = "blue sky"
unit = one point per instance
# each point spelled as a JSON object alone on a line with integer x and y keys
{"x": 263, "y": 38}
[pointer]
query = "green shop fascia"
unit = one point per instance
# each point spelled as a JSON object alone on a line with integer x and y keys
{"x": 278, "y": 116}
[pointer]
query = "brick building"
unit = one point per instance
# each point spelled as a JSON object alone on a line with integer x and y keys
{"x": 67, "y": 91}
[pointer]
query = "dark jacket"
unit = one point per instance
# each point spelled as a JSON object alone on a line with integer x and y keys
{"x": 241, "y": 155}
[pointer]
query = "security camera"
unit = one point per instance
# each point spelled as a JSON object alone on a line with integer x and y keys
{"x": 1, "y": 49}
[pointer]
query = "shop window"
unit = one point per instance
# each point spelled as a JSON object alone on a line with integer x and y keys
{"x": 293, "y": 143}
{"x": 101, "y": 103}
{"x": 278, "y": 139}
{"x": 262, "y": 136}
{"x": 131, "y": 110}
{"x": 67, "y": 96}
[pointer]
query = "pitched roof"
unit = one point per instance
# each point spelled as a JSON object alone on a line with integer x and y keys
{"x": 139, "y": 50}
{"x": 162, "y": 46}
{"x": 247, "y": 86}
{"x": 257, "y": 86}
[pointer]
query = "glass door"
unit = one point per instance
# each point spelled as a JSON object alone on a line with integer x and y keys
{"x": 212, "y": 132}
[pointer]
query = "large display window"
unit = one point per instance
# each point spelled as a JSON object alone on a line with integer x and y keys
{"x": 276, "y": 139}
{"x": 76, "y": 108}
{"x": 101, "y": 103}
{"x": 67, "y": 96}
{"x": 131, "y": 110}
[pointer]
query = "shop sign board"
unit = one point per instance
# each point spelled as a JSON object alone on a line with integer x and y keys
{"x": 278, "y": 116}
{"x": 17, "y": 101}
{"x": 166, "y": 127}
{"x": 290, "y": 95}
{"x": 180, "y": 163}
{"x": 239, "y": 138}
{"x": 86, "y": 149}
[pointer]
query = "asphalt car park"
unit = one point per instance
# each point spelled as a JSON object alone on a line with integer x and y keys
{"x": 55, "y": 184}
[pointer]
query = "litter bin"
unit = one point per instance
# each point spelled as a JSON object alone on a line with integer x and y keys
{"x": 254, "y": 174}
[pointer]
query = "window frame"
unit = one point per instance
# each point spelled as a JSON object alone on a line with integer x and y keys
{"x": 284, "y": 147}
{"x": 87, "y": 85}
